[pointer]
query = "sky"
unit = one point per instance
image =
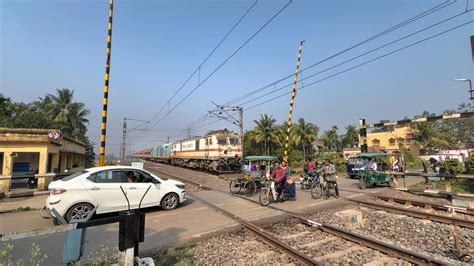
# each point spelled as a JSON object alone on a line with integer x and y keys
{"x": 156, "y": 45}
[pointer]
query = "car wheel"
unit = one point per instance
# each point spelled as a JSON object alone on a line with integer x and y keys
{"x": 169, "y": 202}
{"x": 79, "y": 211}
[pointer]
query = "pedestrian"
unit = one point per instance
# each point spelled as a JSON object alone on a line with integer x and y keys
{"x": 328, "y": 172}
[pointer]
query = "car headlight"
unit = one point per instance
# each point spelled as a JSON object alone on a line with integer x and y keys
{"x": 181, "y": 186}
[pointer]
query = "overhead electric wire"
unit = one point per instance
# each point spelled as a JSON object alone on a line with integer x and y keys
{"x": 371, "y": 38}
{"x": 205, "y": 59}
{"x": 364, "y": 63}
{"x": 363, "y": 54}
{"x": 224, "y": 62}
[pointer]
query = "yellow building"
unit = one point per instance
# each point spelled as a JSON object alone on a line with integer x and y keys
{"x": 392, "y": 140}
{"x": 42, "y": 152}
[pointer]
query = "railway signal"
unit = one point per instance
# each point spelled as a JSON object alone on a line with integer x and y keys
{"x": 106, "y": 87}
{"x": 292, "y": 102}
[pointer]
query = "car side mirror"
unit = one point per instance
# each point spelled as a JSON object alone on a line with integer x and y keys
{"x": 155, "y": 181}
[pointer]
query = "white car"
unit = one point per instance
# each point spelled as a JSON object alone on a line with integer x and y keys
{"x": 75, "y": 196}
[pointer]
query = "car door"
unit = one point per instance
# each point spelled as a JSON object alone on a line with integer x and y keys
{"x": 137, "y": 189}
{"x": 104, "y": 188}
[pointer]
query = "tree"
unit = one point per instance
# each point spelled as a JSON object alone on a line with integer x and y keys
{"x": 71, "y": 116}
{"x": 331, "y": 139}
{"x": 458, "y": 132}
{"x": 305, "y": 133}
{"x": 265, "y": 131}
{"x": 351, "y": 137}
{"x": 429, "y": 136}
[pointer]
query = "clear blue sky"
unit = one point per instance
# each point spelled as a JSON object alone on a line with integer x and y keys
{"x": 53, "y": 44}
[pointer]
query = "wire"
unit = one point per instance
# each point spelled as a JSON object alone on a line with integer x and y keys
{"x": 198, "y": 68}
{"x": 364, "y": 63}
{"x": 361, "y": 55}
{"x": 223, "y": 63}
{"x": 371, "y": 38}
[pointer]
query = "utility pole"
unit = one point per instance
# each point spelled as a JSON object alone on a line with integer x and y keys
{"x": 167, "y": 139}
{"x": 106, "y": 87}
{"x": 292, "y": 102}
{"x": 362, "y": 136}
{"x": 125, "y": 132}
{"x": 124, "y": 140}
{"x": 227, "y": 113}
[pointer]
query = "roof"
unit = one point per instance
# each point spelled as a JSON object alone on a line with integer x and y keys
{"x": 261, "y": 158}
{"x": 373, "y": 154}
{"x": 111, "y": 167}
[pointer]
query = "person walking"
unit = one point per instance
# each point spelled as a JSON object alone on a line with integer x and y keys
{"x": 328, "y": 172}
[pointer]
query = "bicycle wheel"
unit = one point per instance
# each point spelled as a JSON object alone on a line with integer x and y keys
{"x": 250, "y": 188}
{"x": 316, "y": 190}
{"x": 264, "y": 197}
{"x": 235, "y": 186}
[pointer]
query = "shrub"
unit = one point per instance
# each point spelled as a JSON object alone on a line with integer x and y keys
{"x": 451, "y": 167}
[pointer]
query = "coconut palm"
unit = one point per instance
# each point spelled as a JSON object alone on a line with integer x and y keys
{"x": 265, "y": 131}
{"x": 305, "y": 133}
{"x": 71, "y": 116}
{"x": 331, "y": 139}
{"x": 429, "y": 136}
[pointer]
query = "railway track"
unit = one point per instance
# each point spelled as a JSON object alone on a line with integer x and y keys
{"x": 428, "y": 205}
{"x": 360, "y": 242}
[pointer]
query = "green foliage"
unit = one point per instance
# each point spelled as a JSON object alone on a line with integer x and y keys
{"x": 469, "y": 165}
{"x": 23, "y": 209}
{"x": 180, "y": 255}
{"x": 451, "y": 167}
{"x": 336, "y": 158}
{"x": 351, "y": 137}
{"x": 331, "y": 139}
{"x": 33, "y": 257}
{"x": 411, "y": 161}
{"x": 51, "y": 112}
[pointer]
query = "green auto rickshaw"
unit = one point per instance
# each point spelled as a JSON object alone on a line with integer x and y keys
{"x": 373, "y": 169}
{"x": 256, "y": 170}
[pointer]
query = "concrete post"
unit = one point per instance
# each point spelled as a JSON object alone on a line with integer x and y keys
{"x": 43, "y": 161}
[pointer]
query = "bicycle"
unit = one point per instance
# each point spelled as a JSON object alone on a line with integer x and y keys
{"x": 248, "y": 184}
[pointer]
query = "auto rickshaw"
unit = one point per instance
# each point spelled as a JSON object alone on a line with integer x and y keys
{"x": 253, "y": 179}
{"x": 370, "y": 176}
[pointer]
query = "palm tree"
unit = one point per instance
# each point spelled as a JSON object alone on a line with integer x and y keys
{"x": 6, "y": 106}
{"x": 71, "y": 116}
{"x": 305, "y": 133}
{"x": 265, "y": 131}
{"x": 331, "y": 139}
{"x": 429, "y": 136}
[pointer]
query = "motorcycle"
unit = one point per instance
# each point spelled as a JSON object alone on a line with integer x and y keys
{"x": 307, "y": 180}
{"x": 269, "y": 193}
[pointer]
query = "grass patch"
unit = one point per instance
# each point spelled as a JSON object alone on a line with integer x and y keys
{"x": 23, "y": 209}
{"x": 457, "y": 185}
{"x": 180, "y": 255}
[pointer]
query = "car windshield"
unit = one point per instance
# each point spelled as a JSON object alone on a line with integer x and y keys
{"x": 74, "y": 175}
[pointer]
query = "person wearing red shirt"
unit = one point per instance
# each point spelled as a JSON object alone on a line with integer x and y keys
{"x": 279, "y": 177}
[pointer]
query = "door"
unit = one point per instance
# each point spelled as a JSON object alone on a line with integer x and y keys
{"x": 138, "y": 185}
{"x": 104, "y": 188}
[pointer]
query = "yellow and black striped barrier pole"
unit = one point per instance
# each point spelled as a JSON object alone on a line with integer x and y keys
{"x": 106, "y": 87}
{"x": 293, "y": 95}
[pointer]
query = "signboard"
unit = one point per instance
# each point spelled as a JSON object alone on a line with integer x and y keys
{"x": 137, "y": 165}
{"x": 53, "y": 134}
{"x": 188, "y": 145}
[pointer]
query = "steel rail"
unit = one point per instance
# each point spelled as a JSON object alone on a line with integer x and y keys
{"x": 424, "y": 204}
{"x": 264, "y": 234}
{"x": 418, "y": 214}
{"x": 386, "y": 248}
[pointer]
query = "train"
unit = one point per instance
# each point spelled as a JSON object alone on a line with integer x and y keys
{"x": 218, "y": 151}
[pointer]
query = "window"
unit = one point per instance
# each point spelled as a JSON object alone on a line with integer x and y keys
{"x": 234, "y": 141}
{"x": 147, "y": 178}
{"x": 222, "y": 141}
{"x": 110, "y": 176}
{"x": 74, "y": 175}
{"x": 375, "y": 142}
{"x": 210, "y": 141}
{"x": 392, "y": 142}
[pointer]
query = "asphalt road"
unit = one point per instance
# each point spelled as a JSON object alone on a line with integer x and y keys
{"x": 193, "y": 220}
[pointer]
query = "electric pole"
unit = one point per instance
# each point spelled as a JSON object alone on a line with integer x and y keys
{"x": 124, "y": 135}
{"x": 228, "y": 113}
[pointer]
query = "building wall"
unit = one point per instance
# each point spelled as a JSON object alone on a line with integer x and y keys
{"x": 18, "y": 145}
{"x": 392, "y": 140}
